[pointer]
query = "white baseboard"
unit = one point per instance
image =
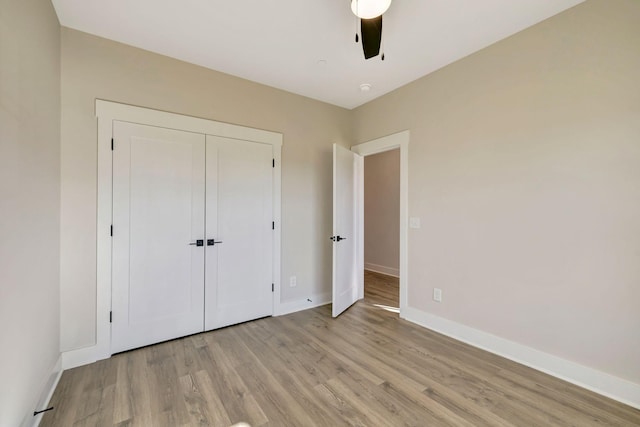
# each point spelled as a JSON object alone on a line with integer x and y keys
{"x": 48, "y": 388}
{"x": 304, "y": 304}
{"x": 389, "y": 271}
{"x": 82, "y": 356}
{"x": 583, "y": 376}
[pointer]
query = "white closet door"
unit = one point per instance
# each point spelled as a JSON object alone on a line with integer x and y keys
{"x": 239, "y": 215}
{"x": 158, "y": 214}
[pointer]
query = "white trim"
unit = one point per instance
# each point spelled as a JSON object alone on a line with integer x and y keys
{"x": 389, "y": 271}
{"x": 48, "y": 388}
{"x": 277, "y": 236}
{"x": 288, "y": 307}
{"x": 397, "y": 140}
{"x": 359, "y": 212}
{"x": 81, "y": 356}
{"x": 151, "y": 117}
{"x": 583, "y": 376}
{"x": 107, "y": 112}
{"x": 102, "y": 349}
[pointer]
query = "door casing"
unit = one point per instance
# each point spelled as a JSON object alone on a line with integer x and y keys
{"x": 400, "y": 141}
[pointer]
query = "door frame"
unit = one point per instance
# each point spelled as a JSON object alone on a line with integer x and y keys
{"x": 106, "y": 113}
{"x": 400, "y": 141}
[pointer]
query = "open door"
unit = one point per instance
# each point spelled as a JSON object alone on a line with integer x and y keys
{"x": 345, "y": 272}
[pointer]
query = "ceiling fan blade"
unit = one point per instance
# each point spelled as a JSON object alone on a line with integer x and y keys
{"x": 371, "y": 30}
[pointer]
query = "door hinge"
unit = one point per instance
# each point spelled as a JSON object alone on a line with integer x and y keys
{"x": 273, "y": 225}
{"x": 272, "y": 287}
{"x": 111, "y": 231}
{"x": 111, "y": 144}
{"x": 111, "y": 317}
{"x": 274, "y": 163}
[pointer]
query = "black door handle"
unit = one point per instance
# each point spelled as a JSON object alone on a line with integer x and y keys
{"x": 337, "y": 238}
{"x": 212, "y": 242}
{"x": 197, "y": 243}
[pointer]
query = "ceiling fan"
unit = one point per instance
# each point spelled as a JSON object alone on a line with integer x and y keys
{"x": 370, "y": 14}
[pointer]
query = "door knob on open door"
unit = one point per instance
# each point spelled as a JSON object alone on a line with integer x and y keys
{"x": 337, "y": 238}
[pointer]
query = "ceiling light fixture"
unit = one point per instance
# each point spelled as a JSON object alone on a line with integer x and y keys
{"x": 368, "y": 9}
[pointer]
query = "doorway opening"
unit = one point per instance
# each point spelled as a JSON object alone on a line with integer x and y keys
{"x": 348, "y": 207}
{"x": 381, "y": 205}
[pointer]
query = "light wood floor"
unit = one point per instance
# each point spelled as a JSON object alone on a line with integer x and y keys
{"x": 381, "y": 289}
{"x": 365, "y": 368}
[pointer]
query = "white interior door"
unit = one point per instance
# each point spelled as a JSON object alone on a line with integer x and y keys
{"x": 158, "y": 214}
{"x": 239, "y": 190}
{"x": 344, "y": 275}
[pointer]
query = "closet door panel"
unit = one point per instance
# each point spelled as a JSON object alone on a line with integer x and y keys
{"x": 158, "y": 215}
{"x": 238, "y": 270}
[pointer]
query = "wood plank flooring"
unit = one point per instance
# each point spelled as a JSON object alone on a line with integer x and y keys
{"x": 365, "y": 368}
{"x": 381, "y": 289}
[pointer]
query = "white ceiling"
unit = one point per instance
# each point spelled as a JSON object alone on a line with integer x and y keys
{"x": 281, "y": 43}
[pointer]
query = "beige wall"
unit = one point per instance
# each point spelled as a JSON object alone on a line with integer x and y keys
{"x": 93, "y": 68}
{"x": 382, "y": 212}
{"x": 29, "y": 204}
{"x": 524, "y": 167}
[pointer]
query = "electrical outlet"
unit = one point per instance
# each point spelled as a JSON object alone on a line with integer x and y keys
{"x": 414, "y": 222}
{"x": 292, "y": 282}
{"x": 437, "y": 294}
